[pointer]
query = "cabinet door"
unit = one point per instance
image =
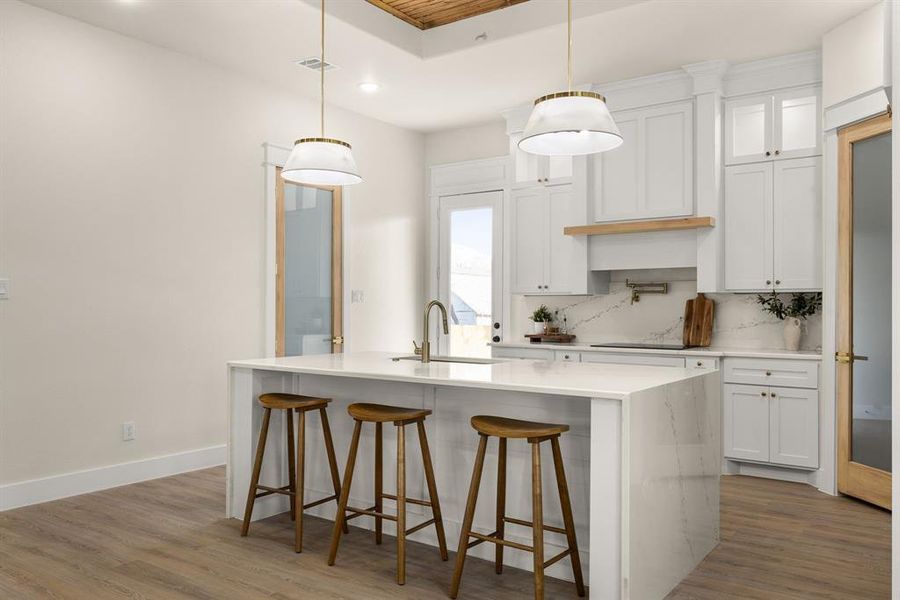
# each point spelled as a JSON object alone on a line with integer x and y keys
{"x": 529, "y": 233}
{"x": 798, "y": 124}
{"x": 558, "y": 275}
{"x": 748, "y": 227}
{"x": 798, "y": 224}
{"x": 617, "y": 174}
{"x": 668, "y": 151}
{"x": 527, "y": 168}
{"x": 746, "y": 422}
{"x": 794, "y": 427}
{"x": 748, "y": 129}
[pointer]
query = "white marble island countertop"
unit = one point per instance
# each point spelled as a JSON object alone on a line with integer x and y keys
{"x": 615, "y": 382}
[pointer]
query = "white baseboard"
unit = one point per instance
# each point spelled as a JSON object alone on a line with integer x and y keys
{"x": 35, "y": 491}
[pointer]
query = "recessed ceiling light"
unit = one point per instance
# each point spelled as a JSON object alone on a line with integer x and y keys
{"x": 369, "y": 87}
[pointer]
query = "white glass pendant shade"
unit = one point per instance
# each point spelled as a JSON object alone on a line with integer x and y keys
{"x": 570, "y": 124}
{"x": 321, "y": 161}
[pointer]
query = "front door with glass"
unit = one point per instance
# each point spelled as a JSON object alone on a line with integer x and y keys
{"x": 469, "y": 271}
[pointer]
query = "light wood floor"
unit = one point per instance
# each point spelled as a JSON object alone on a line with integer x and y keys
{"x": 167, "y": 539}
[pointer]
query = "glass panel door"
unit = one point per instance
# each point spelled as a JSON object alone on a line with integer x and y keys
{"x": 469, "y": 272}
{"x": 871, "y": 396}
{"x": 864, "y": 311}
{"x": 308, "y": 279}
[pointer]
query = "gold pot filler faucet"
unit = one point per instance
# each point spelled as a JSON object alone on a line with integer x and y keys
{"x": 425, "y": 349}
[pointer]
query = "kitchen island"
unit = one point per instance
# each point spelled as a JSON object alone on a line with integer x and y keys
{"x": 642, "y": 456}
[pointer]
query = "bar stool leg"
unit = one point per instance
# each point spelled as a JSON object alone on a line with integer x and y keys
{"x": 332, "y": 461}
{"x": 257, "y": 465}
{"x": 401, "y": 504}
{"x": 292, "y": 475}
{"x": 298, "y": 491}
{"x": 379, "y": 483}
{"x": 469, "y": 516}
{"x": 537, "y": 518}
{"x": 568, "y": 520}
{"x": 432, "y": 490}
{"x": 501, "y": 504}
{"x": 340, "y": 517}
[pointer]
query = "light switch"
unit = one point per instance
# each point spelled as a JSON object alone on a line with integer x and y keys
{"x": 4, "y": 289}
{"x": 357, "y": 297}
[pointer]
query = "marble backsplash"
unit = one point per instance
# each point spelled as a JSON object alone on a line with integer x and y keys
{"x": 739, "y": 320}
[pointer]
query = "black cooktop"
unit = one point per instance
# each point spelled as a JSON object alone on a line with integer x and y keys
{"x": 649, "y": 346}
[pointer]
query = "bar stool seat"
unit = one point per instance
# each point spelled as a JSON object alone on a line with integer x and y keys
{"x": 380, "y": 413}
{"x": 535, "y": 433}
{"x": 514, "y": 428}
{"x": 291, "y": 403}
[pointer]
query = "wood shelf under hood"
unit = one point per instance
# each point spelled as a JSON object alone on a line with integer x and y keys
{"x": 641, "y": 226}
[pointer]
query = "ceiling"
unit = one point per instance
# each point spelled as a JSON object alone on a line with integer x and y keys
{"x": 444, "y": 77}
{"x": 425, "y": 14}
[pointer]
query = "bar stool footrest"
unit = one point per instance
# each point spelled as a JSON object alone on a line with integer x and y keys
{"x": 273, "y": 490}
{"x": 492, "y": 538}
{"x": 530, "y": 524}
{"x": 322, "y": 501}
{"x": 557, "y": 558}
{"x": 408, "y": 500}
{"x": 371, "y": 512}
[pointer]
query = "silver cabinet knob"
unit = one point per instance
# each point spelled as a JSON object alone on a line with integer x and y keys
{"x": 777, "y": 282}
{"x": 772, "y": 394}
{"x": 768, "y": 282}
{"x": 699, "y": 363}
{"x": 768, "y": 373}
{"x": 768, "y": 153}
{"x": 777, "y": 152}
{"x": 763, "y": 394}
{"x": 566, "y": 357}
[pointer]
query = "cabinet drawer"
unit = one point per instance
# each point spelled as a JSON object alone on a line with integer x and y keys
{"x": 568, "y": 356}
{"x": 701, "y": 362}
{"x": 633, "y": 359}
{"x": 784, "y": 373}
{"x": 526, "y": 353}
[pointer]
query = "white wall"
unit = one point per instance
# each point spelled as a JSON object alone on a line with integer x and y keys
{"x": 853, "y": 57}
{"x": 469, "y": 143}
{"x": 132, "y": 218}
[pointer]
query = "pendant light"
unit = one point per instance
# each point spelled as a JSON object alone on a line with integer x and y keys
{"x": 321, "y": 160}
{"x": 570, "y": 123}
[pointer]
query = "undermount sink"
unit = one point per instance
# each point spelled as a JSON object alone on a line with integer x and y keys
{"x": 450, "y": 359}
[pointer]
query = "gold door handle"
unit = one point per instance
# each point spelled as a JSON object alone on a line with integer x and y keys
{"x": 848, "y": 357}
{"x": 337, "y": 339}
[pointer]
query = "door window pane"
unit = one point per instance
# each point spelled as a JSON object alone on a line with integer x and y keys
{"x": 871, "y": 396}
{"x": 307, "y": 270}
{"x": 471, "y": 262}
{"x": 798, "y": 123}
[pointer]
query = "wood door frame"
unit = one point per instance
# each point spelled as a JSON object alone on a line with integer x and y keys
{"x": 854, "y": 479}
{"x": 337, "y": 264}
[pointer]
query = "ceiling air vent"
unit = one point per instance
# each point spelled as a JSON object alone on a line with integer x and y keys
{"x": 315, "y": 64}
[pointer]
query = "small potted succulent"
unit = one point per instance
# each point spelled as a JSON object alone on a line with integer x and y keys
{"x": 541, "y": 318}
{"x": 798, "y": 309}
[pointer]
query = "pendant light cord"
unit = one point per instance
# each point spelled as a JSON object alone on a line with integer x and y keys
{"x": 569, "y": 49}
{"x": 322, "y": 73}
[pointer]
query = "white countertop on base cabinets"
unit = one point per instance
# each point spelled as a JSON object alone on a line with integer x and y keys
{"x": 712, "y": 351}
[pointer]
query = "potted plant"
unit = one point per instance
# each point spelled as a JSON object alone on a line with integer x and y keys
{"x": 541, "y": 317}
{"x": 793, "y": 313}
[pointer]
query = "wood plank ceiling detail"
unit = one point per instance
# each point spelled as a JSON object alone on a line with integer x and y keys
{"x": 426, "y": 14}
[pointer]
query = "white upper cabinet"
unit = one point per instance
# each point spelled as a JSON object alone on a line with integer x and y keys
{"x": 776, "y": 126}
{"x": 544, "y": 260}
{"x": 531, "y": 169}
{"x": 651, "y": 174}
{"x": 773, "y": 226}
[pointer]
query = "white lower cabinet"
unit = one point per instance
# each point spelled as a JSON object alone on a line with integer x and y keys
{"x": 746, "y": 413}
{"x": 770, "y": 424}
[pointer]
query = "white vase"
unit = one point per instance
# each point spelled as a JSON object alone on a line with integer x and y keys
{"x": 538, "y": 326}
{"x": 792, "y": 332}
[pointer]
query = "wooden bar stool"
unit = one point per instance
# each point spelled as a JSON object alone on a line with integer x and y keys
{"x": 535, "y": 433}
{"x": 301, "y": 404}
{"x": 400, "y": 417}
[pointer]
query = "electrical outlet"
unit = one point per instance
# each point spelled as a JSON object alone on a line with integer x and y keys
{"x": 357, "y": 297}
{"x": 128, "y": 431}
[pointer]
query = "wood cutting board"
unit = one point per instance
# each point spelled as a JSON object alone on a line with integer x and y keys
{"x": 698, "y": 321}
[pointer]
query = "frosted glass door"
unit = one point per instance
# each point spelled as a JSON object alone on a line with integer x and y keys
{"x": 871, "y": 439}
{"x": 308, "y": 286}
